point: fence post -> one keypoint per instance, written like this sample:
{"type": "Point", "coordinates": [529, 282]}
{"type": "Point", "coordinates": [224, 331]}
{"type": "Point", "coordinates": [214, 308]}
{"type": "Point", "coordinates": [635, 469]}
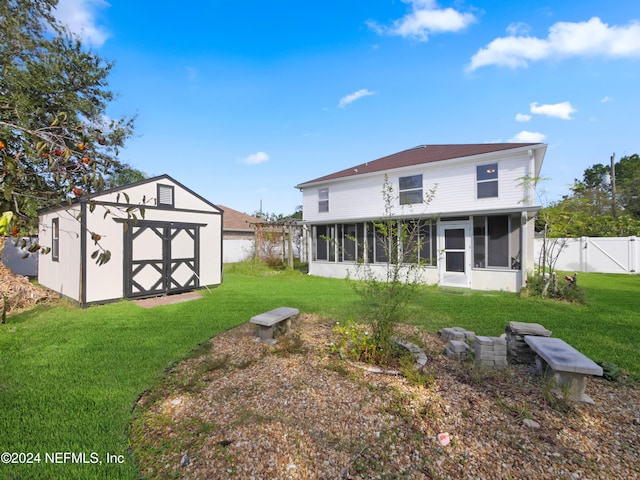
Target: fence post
{"type": "Point", "coordinates": [584, 255]}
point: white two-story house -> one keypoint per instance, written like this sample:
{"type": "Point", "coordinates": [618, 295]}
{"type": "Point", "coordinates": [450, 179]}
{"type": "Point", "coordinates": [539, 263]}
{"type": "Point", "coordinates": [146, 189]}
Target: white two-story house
{"type": "Point", "coordinates": [476, 230]}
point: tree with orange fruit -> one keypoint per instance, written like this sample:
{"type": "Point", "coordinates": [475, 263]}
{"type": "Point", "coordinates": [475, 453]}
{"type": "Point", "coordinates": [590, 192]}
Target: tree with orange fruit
{"type": "Point", "coordinates": [56, 141]}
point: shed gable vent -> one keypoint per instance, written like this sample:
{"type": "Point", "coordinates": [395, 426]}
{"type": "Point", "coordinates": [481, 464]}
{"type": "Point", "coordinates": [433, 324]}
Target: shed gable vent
{"type": "Point", "coordinates": [165, 195]}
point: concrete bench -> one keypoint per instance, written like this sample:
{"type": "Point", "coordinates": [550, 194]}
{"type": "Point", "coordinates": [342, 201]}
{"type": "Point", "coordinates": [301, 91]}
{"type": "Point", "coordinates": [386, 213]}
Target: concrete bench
{"type": "Point", "coordinates": [569, 366]}
{"type": "Point", "coordinates": [278, 319]}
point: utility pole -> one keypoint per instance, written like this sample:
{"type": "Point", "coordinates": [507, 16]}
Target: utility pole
{"type": "Point", "coordinates": [613, 186]}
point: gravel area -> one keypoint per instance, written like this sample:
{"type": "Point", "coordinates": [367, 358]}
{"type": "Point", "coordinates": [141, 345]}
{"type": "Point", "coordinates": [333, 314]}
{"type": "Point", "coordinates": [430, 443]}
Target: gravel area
{"type": "Point", "coordinates": [294, 410]}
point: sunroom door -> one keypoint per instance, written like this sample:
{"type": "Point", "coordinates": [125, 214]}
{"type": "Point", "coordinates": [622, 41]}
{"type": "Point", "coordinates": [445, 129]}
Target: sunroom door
{"type": "Point", "coordinates": [455, 258]}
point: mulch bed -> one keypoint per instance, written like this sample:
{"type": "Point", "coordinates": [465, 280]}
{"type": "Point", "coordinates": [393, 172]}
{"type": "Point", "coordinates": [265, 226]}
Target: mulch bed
{"type": "Point", "coordinates": [17, 292]}
{"type": "Point", "coordinates": [295, 410]}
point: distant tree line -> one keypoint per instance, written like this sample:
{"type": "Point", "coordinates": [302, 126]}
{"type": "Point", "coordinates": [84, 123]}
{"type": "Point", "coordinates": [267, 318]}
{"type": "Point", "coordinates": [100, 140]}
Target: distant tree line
{"type": "Point", "coordinates": [594, 208]}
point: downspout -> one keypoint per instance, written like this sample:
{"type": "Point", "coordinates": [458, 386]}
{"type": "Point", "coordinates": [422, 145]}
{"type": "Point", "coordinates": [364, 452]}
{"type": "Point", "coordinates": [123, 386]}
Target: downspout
{"type": "Point", "coordinates": [221, 247]}
{"type": "Point", "coordinates": [524, 220]}
{"type": "Point", "coordinates": [524, 260]}
{"type": "Point", "coordinates": [531, 184]}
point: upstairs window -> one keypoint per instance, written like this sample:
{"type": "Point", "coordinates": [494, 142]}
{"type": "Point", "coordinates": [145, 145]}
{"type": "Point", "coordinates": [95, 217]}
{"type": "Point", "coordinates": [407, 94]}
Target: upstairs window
{"type": "Point", "coordinates": [411, 190]}
{"type": "Point", "coordinates": [165, 195]}
{"type": "Point", "coordinates": [487, 177]}
{"type": "Point", "coordinates": [323, 200]}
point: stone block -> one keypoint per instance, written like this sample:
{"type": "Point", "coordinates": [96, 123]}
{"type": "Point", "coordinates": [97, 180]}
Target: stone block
{"type": "Point", "coordinates": [501, 362]}
{"type": "Point", "coordinates": [484, 355]}
{"type": "Point", "coordinates": [500, 341]}
{"type": "Point", "coordinates": [482, 340]}
{"type": "Point", "coordinates": [454, 355]}
{"type": "Point", "coordinates": [522, 328]}
{"type": "Point", "coordinates": [458, 346]}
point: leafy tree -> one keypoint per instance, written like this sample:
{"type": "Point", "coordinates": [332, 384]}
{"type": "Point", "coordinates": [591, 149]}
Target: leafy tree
{"type": "Point", "coordinates": [387, 294]}
{"type": "Point", "coordinates": [578, 216]}
{"type": "Point", "coordinates": [56, 141]}
{"type": "Point", "coordinates": [627, 179]}
{"type": "Point", "coordinates": [593, 177]}
{"type": "Point", "coordinates": [589, 211]}
{"type": "Point", "coordinates": [124, 175]}
{"type": "Point", "coordinates": [628, 184]}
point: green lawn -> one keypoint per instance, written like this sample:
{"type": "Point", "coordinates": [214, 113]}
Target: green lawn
{"type": "Point", "coordinates": [70, 377]}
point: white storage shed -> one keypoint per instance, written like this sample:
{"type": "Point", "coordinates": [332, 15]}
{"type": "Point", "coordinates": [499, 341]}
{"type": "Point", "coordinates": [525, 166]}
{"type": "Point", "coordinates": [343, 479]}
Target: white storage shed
{"type": "Point", "coordinates": [173, 245]}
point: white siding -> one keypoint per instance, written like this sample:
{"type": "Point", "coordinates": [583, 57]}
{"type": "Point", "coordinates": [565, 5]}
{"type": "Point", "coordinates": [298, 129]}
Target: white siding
{"type": "Point", "coordinates": [454, 183]}
{"type": "Point", "coordinates": [62, 276]}
{"type": "Point", "coordinates": [146, 194]}
{"type": "Point", "coordinates": [104, 282]}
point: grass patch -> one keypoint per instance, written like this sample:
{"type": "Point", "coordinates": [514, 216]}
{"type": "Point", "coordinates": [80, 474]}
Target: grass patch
{"type": "Point", "coordinates": [70, 377]}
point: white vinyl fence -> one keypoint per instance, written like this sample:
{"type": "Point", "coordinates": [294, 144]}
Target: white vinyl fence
{"type": "Point", "coordinates": [595, 254]}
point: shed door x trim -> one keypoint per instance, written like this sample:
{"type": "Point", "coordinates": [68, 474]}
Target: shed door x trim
{"type": "Point", "coordinates": [160, 257]}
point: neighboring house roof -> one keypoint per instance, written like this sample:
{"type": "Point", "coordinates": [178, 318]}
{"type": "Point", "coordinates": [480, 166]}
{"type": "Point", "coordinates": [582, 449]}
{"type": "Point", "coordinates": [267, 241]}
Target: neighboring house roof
{"type": "Point", "coordinates": [233, 220]}
{"type": "Point", "coordinates": [420, 155]}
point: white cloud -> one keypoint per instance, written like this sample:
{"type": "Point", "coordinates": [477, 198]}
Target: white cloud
{"type": "Point", "coordinates": [518, 28]}
{"type": "Point", "coordinates": [425, 19]}
{"type": "Point", "coordinates": [606, 99]}
{"type": "Point", "coordinates": [255, 158]}
{"type": "Point", "coordinates": [80, 17]}
{"type": "Point", "coordinates": [565, 39]}
{"type": "Point", "coordinates": [558, 110]}
{"type": "Point", "coordinates": [528, 137]}
{"type": "Point", "coordinates": [352, 97]}
{"type": "Point", "coordinates": [521, 117]}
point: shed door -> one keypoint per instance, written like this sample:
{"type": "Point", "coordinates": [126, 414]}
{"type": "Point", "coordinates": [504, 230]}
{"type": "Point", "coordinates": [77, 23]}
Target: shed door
{"type": "Point", "coordinates": [161, 258]}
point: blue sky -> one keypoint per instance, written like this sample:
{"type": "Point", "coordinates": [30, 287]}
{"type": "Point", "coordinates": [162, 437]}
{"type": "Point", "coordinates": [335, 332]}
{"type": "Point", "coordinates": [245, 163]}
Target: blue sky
{"type": "Point", "coordinates": [241, 101]}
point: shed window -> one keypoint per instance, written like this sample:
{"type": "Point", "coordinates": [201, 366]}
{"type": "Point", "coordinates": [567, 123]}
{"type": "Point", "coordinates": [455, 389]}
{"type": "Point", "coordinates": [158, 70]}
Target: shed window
{"type": "Point", "coordinates": [323, 200]}
{"type": "Point", "coordinates": [487, 177]}
{"type": "Point", "coordinates": [55, 239]}
{"type": "Point", "coordinates": [165, 195]}
{"type": "Point", "coordinates": [411, 190]}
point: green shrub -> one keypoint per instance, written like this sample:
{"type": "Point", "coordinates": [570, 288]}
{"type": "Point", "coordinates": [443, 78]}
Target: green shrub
{"type": "Point", "coordinates": [353, 342]}
{"type": "Point", "coordinates": [558, 289]}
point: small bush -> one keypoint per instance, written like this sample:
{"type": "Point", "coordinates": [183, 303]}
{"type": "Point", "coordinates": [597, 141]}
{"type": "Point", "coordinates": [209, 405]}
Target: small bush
{"type": "Point", "coordinates": [557, 289]}
{"type": "Point", "coordinates": [354, 342]}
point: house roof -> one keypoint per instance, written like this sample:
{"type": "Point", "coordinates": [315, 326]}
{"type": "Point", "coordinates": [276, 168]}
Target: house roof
{"type": "Point", "coordinates": [233, 220]}
{"type": "Point", "coordinates": [420, 155]}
